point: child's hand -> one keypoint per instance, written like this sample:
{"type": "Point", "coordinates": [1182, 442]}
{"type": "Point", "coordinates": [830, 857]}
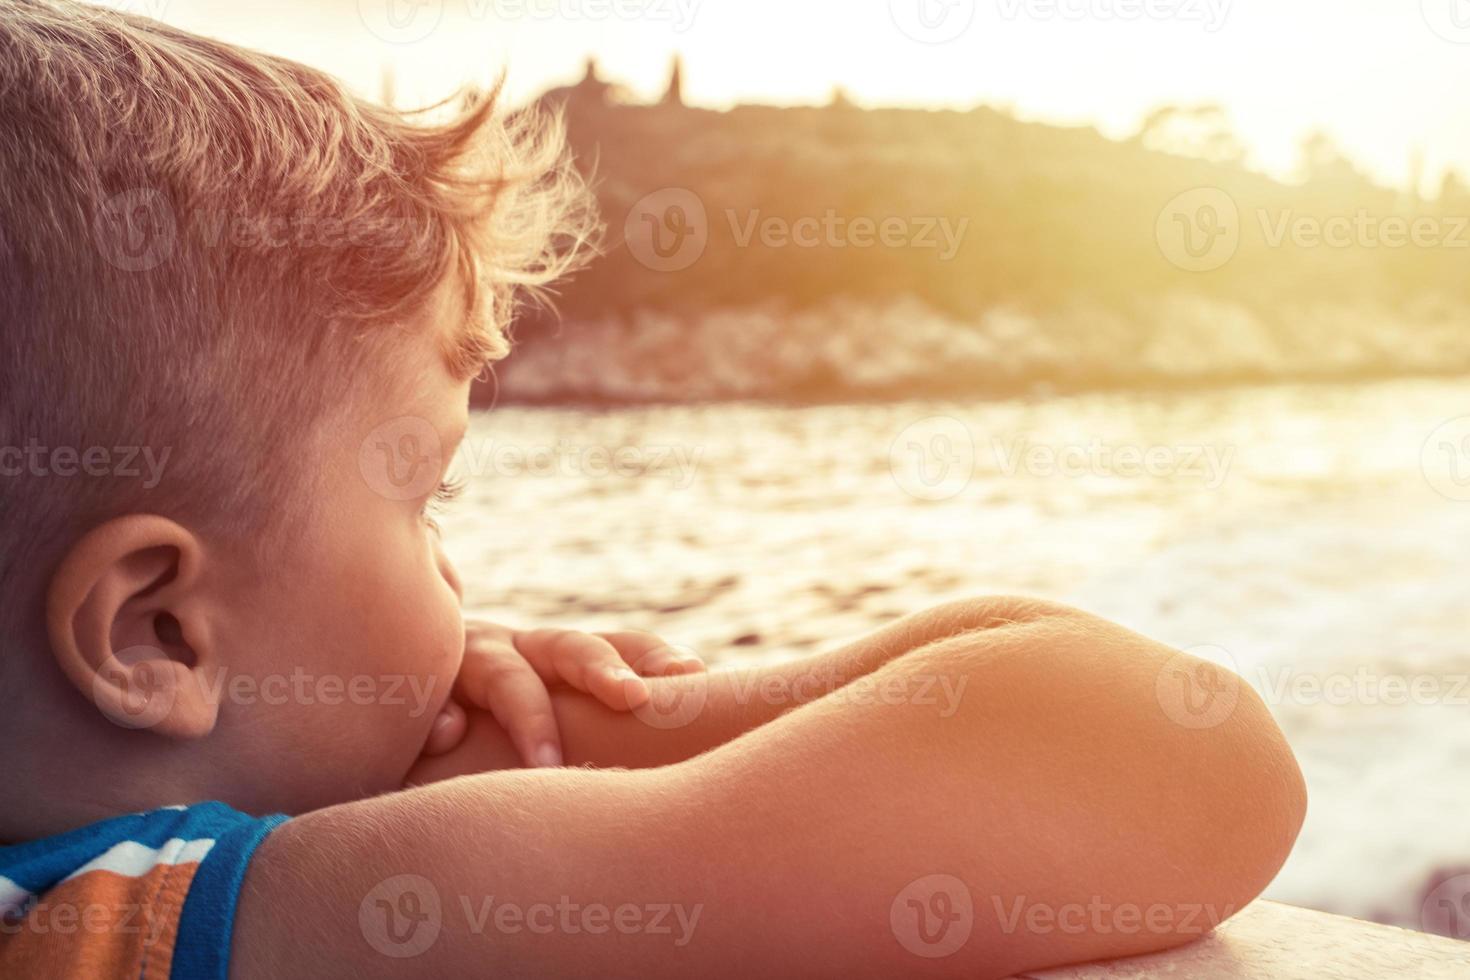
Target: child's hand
{"type": "Point", "coordinates": [508, 672]}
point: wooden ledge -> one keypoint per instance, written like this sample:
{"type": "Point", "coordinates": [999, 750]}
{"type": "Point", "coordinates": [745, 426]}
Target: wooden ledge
{"type": "Point", "coordinates": [1267, 941]}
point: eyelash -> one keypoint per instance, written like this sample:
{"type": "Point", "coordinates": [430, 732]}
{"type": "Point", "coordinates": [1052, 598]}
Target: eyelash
{"type": "Point", "coordinates": [447, 492]}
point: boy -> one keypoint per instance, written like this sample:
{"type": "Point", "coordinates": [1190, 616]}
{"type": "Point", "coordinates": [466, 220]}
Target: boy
{"type": "Point", "coordinates": [222, 263]}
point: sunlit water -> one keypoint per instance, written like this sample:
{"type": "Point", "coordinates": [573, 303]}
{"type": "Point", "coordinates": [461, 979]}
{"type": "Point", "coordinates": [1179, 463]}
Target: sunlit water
{"type": "Point", "coordinates": [1304, 534]}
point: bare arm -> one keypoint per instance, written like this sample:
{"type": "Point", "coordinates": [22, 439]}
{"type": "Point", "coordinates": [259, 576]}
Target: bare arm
{"type": "Point", "coordinates": [1070, 817]}
{"type": "Point", "coordinates": [691, 715]}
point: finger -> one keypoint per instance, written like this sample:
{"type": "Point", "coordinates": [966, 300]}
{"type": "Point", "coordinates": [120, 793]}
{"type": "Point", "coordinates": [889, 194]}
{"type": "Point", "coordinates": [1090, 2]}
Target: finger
{"type": "Point", "coordinates": [588, 663]}
{"type": "Point", "coordinates": [652, 656]}
{"type": "Point", "coordinates": [477, 630]}
{"type": "Point", "coordinates": [447, 731]}
{"type": "Point", "coordinates": [484, 656]}
{"type": "Point", "coordinates": [500, 680]}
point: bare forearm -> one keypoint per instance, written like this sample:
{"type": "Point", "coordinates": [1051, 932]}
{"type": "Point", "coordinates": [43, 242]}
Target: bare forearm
{"type": "Point", "coordinates": [693, 714]}
{"type": "Point", "coordinates": [1056, 786]}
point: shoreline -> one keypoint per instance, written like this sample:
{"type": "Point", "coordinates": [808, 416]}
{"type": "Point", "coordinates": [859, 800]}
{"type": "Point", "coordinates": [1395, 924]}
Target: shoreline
{"type": "Point", "coordinates": [485, 396]}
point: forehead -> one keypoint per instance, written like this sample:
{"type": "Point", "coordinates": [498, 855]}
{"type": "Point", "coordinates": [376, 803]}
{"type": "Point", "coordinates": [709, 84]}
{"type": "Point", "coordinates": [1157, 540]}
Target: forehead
{"type": "Point", "coordinates": [462, 316]}
{"type": "Point", "coordinates": [426, 379]}
{"type": "Point", "coordinates": [414, 410]}
{"type": "Point", "coordinates": [421, 368]}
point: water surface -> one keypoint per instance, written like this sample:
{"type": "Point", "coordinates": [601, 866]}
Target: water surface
{"type": "Point", "coordinates": [1317, 538]}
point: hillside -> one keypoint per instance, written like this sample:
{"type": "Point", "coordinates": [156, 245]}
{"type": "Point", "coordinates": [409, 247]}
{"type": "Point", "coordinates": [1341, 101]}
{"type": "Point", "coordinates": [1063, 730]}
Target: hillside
{"type": "Point", "coordinates": [834, 252]}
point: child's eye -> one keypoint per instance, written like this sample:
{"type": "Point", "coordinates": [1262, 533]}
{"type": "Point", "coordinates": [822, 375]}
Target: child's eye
{"type": "Point", "coordinates": [446, 493]}
{"type": "Point", "coordinates": [448, 490]}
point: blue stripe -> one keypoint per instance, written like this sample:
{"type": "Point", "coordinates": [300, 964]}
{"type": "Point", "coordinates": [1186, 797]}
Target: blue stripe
{"type": "Point", "coordinates": [38, 865]}
{"type": "Point", "coordinates": [202, 951]}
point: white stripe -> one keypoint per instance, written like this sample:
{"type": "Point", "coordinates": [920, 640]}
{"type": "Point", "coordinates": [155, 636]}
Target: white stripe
{"type": "Point", "coordinates": [12, 896]}
{"type": "Point", "coordinates": [134, 860]}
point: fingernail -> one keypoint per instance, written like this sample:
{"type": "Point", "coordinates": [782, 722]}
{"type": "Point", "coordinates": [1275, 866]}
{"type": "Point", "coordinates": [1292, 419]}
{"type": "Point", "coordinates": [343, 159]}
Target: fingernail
{"type": "Point", "coordinates": [547, 756]}
{"type": "Point", "coordinates": [637, 692]}
{"type": "Point", "coordinates": [622, 674]}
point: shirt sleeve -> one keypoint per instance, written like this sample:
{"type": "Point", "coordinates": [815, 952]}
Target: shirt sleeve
{"type": "Point", "coordinates": [149, 895]}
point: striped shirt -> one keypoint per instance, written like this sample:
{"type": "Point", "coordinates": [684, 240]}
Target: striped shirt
{"type": "Point", "coordinates": [148, 895]}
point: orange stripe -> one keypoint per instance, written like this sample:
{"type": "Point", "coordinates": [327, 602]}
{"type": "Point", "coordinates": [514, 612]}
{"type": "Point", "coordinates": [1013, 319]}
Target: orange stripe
{"type": "Point", "coordinates": [100, 924]}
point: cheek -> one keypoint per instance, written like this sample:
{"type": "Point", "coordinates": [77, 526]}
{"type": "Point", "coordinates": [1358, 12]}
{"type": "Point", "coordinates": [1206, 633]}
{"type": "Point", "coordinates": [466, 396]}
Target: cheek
{"type": "Point", "coordinates": [415, 623]}
{"type": "Point", "coordinates": [401, 631]}
{"type": "Point", "coordinates": [444, 648]}
{"type": "Point", "coordinates": [417, 645]}
{"type": "Point", "coordinates": [430, 632]}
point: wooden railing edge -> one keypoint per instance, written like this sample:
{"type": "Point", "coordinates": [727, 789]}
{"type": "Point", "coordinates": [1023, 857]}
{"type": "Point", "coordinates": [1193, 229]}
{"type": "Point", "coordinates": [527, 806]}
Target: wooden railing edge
{"type": "Point", "coordinates": [1271, 940]}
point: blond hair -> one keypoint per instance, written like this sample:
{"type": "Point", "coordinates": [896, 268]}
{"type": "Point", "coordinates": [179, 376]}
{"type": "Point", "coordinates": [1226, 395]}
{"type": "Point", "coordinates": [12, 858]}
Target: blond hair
{"type": "Point", "coordinates": [203, 249]}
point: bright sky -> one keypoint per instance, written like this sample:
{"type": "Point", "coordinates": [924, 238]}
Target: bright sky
{"type": "Point", "coordinates": [1385, 78]}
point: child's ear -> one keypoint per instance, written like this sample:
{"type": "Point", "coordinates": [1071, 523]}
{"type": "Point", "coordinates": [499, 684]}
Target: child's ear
{"type": "Point", "coordinates": [130, 627]}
